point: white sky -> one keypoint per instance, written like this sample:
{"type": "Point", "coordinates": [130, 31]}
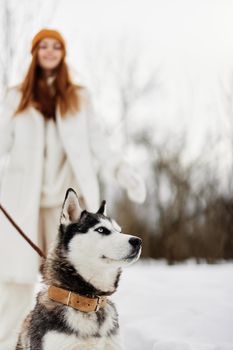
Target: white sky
{"type": "Point", "coordinates": [190, 30]}
{"type": "Point", "coordinates": [192, 40]}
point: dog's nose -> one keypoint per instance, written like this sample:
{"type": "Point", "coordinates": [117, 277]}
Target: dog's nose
{"type": "Point", "coordinates": [135, 242]}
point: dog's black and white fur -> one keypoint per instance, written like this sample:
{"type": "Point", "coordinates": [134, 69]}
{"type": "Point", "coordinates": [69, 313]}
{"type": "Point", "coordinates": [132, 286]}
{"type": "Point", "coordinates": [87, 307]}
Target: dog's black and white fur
{"type": "Point", "coordinates": [86, 259]}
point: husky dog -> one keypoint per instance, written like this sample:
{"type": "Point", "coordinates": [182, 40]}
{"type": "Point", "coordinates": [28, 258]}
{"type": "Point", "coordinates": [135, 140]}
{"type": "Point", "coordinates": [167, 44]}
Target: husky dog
{"type": "Point", "coordinates": [82, 269]}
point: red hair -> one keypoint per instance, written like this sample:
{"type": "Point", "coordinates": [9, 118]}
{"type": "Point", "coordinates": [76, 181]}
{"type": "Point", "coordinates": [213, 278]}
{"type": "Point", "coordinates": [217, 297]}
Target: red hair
{"type": "Point", "coordinates": [36, 91]}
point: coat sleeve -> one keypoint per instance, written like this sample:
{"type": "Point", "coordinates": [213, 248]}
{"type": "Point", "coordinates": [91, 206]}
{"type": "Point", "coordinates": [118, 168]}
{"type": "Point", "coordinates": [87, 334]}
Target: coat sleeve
{"type": "Point", "coordinates": [110, 162]}
{"type": "Point", "coordinates": [6, 123]}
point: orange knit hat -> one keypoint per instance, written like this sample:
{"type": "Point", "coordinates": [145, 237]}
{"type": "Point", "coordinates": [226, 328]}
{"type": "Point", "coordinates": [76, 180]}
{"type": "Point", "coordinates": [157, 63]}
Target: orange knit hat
{"type": "Point", "coordinates": [47, 33]}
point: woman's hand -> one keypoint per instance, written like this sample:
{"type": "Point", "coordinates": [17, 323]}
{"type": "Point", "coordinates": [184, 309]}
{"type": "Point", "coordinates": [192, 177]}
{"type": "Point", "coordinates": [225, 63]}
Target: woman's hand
{"type": "Point", "coordinates": [128, 178]}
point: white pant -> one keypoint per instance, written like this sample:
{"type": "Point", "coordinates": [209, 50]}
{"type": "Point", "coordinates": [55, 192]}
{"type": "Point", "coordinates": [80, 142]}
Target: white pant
{"type": "Point", "coordinates": [16, 300]}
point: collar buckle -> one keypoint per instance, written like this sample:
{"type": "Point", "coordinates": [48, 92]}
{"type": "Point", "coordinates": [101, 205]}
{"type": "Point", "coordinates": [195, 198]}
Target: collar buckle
{"type": "Point", "coordinates": [98, 302]}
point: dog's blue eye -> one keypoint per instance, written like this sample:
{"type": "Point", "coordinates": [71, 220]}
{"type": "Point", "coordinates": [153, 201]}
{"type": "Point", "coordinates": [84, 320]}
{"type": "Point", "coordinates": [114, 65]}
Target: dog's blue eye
{"type": "Point", "coordinates": [103, 230]}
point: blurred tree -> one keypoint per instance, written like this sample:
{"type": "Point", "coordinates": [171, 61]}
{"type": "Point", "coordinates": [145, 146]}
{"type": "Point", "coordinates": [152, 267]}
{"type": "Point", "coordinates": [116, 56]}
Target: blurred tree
{"type": "Point", "coordinates": [122, 81]}
{"type": "Point", "coordinates": [19, 20]}
{"type": "Point", "coordinates": [187, 213]}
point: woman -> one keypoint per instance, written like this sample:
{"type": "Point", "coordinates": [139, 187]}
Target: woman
{"type": "Point", "coordinates": [46, 130]}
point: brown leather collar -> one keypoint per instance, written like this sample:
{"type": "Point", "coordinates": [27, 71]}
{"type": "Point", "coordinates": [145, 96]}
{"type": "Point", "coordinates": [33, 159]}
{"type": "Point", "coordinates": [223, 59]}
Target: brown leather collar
{"type": "Point", "coordinates": [76, 301]}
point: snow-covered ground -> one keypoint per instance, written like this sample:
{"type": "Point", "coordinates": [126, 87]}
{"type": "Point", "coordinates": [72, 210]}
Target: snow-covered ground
{"type": "Point", "coordinates": [181, 307]}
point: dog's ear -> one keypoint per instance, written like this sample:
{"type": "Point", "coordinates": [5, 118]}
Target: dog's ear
{"type": "Point", "coordinates": [71, 209]}
{"type": "Point", "coordinates": [102, 209]}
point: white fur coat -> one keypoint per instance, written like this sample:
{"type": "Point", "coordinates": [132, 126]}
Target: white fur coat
{"type": "Point", "coordinates": [22, 138]}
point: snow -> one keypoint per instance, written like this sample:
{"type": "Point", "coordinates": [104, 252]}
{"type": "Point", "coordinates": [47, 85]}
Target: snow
{"type": "Point", "coordinates": [181, 307]}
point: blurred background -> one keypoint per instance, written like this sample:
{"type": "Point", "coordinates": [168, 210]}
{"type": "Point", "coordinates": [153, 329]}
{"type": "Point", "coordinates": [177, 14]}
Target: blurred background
{"type": "Point", "coordinates": [160, 73]}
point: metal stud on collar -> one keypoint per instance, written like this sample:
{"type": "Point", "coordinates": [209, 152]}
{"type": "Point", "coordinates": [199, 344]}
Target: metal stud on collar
{"type": "Point", "coordinates": [98, 304]}
{"type": "Point", "coordinates": [68, 299]}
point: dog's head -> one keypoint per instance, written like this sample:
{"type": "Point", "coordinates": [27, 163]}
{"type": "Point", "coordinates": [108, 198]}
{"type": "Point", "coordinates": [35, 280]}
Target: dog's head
{"type": "Point", "coordinates": [93, 239]}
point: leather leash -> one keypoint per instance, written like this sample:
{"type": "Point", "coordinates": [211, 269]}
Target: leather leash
{"type": "Point", "coordinates": [33, 245]}
{"type": "Point", "coordinates": [60, 295]}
